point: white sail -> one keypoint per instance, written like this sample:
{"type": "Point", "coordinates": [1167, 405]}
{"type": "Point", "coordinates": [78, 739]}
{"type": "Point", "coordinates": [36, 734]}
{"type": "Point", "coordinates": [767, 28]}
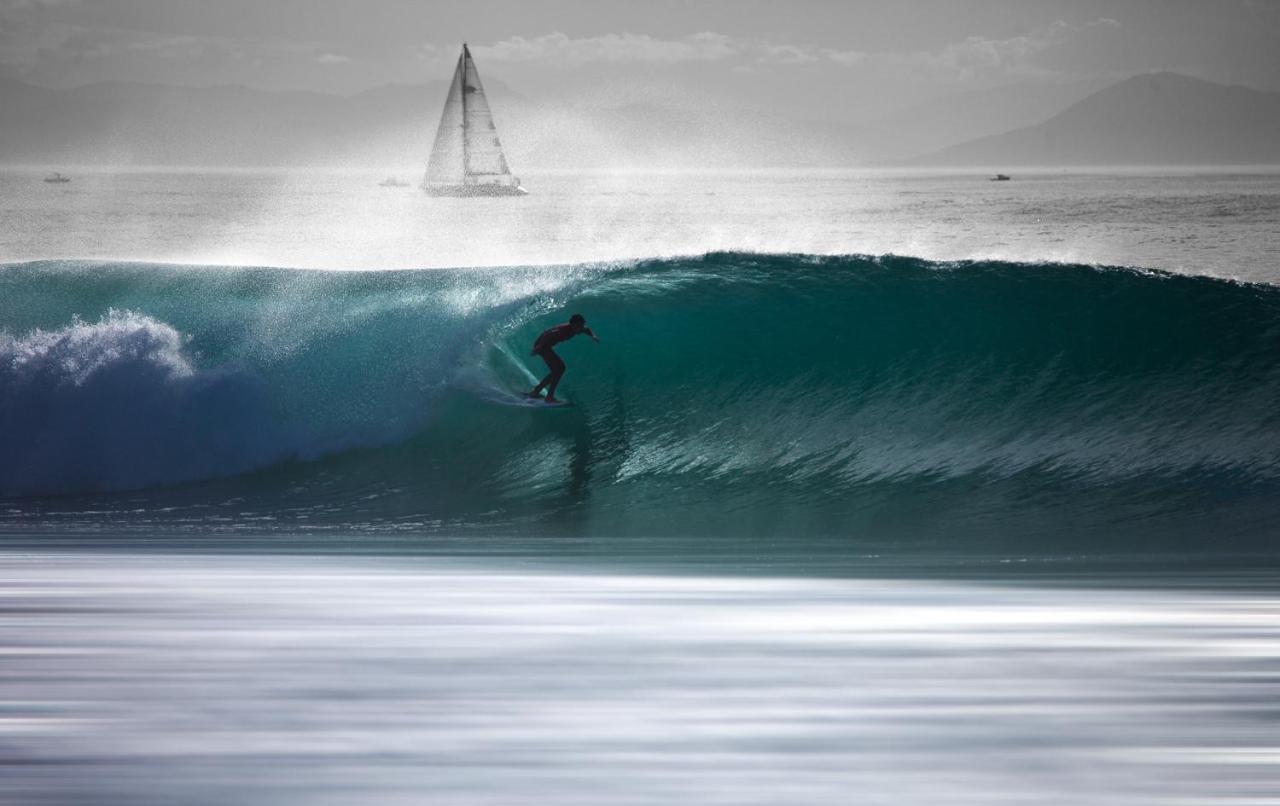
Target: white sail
{"type": "Point", "coordinates": [484, 160]}
{"type": "Point", "coordinates": [467, 157]}
{"type": "Point", "coordinates": [445, 167]}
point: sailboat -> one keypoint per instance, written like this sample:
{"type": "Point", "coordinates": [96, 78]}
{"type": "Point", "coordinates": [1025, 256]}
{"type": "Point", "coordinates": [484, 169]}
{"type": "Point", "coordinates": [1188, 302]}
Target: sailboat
{"type": "Point", "coordinates": [467, 158]}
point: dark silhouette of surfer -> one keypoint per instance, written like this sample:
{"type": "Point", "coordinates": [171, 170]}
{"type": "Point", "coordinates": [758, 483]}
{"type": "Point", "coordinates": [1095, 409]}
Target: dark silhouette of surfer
{"type": "Point", "coordinates": [542, 348]}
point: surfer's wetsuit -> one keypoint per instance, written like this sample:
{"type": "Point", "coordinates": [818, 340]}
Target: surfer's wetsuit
{"type": "Point", "coordinates": [542, 348]}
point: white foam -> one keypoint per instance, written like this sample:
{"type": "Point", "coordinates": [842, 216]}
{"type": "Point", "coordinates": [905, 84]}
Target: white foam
{"type": "Point", "coordinates": [119, 404]}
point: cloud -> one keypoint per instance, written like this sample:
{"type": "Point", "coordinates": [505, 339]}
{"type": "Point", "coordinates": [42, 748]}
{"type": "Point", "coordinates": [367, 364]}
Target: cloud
{"type": "Point", "coordinates": [969, 58]}
{"type": "Point", "coordinates": [561, 50]}
{"type": "Point", "coordinates": [23, 5]}
{"type": "Point", "coordinates": [62, 52]}
{"type": "Point", "coordinates": [845, 57]}
{"type": "Point", "coordinates": [786, 54]}
{"type": "Point", "coordinates": [37, 47]}
{"type": "Point", "coordinates": [976, 55]}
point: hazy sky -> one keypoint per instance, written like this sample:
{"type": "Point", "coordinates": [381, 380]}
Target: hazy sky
{"type": "Point", "coordinates": [852, 52]}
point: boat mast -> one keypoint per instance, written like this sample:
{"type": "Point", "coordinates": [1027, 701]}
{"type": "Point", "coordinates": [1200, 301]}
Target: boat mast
{"type": "Point", "coordinates": [466, 151]}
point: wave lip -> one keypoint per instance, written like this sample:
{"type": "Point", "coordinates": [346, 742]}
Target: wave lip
{"type": "Point", "coordinates": [118, 404]}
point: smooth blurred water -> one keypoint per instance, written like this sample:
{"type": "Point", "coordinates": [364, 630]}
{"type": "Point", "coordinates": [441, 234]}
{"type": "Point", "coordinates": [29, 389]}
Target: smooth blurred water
{"type": "Point", "coordinates": [1200, 222]}
{"type": "Point", "coordinates": [132, 679]}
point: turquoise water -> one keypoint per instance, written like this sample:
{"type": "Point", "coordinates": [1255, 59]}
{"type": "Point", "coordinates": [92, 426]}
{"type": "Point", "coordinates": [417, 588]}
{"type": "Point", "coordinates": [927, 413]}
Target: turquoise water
{"type": "Point", "coordinates": [828, 404]}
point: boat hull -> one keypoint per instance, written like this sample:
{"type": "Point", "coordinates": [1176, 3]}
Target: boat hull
{"type": "Point", "coordinates": [474, 190]}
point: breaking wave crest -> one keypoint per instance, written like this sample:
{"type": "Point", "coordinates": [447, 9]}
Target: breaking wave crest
{"type": "Point", "coordinates": [119, 404]}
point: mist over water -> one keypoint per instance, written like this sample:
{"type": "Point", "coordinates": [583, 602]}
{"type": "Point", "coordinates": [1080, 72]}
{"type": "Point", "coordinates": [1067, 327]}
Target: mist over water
{"type": "Point", "coordinates": [1196, 222]}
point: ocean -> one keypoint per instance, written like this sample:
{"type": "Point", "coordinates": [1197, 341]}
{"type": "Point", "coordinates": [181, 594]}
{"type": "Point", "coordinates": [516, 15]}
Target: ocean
{"type": "Point", "coordinates": [895, 487]}
{"type": "Point", "coordinates": [1195, 221]}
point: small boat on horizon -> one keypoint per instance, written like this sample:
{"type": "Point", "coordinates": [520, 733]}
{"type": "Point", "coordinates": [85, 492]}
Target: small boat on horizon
{"type": "Point", "coordinates": [467, 158]}
{"type": "Point", "coordinates": [1000, 178]}
{"type": "Point", "coordinates": [392, 182]}
{"type": "Point", "coordinates": [57, 178]}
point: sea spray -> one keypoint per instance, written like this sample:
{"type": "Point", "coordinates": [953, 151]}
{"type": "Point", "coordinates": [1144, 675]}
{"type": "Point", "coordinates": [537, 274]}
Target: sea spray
{"type": "Point", "coordinates": [118, 404]}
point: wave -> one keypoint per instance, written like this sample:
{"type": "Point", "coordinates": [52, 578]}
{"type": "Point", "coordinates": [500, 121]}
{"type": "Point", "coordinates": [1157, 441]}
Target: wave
{"type": "Point", "coordinates": [118, 404]}
{"type": "Point", "coordinates": [731, 394]}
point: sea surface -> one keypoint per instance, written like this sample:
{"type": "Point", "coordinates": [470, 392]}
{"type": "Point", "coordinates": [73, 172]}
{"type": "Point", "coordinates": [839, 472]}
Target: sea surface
{"type": "Point", "coordinates": [886, 488]}
{"type": "Point", "coordinates": [1219, 222]}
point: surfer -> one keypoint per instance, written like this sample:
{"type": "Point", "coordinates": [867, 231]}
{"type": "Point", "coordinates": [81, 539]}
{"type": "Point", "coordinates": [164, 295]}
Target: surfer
{"type": "Point", "coordinates": [542, 348]}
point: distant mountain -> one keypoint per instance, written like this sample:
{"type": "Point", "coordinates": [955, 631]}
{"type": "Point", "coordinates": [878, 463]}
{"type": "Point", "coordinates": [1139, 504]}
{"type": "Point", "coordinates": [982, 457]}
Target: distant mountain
{"type": "Point", "coordinates": [1155, 119]}
{"type": "Point", "coordinates": [952, 119]}
{"type": "Point", "coordinates": [148, 124]}
{"type": "Point", "coordinates": [648, 135]}
{"type": "Point", "coordinates": [385, 129]}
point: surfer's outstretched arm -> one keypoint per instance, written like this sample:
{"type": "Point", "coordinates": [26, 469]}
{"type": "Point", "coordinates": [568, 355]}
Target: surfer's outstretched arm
{"type": "Point", "coordinates": [593, 336]}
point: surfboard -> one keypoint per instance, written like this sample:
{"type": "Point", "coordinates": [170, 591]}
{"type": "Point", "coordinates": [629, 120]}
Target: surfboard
{"type": "Point", "coordinates": [541, 403]}
{"type": "Point", "coordinates": [521, 398]}
{"type": "Point", "coordinates": [524, 401]}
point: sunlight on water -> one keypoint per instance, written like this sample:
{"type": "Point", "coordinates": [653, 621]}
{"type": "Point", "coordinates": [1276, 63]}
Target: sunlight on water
{"type": "Point", "coordinates": [312, 681]}
{"type": "Point", "coordinates": [1195, 222]}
